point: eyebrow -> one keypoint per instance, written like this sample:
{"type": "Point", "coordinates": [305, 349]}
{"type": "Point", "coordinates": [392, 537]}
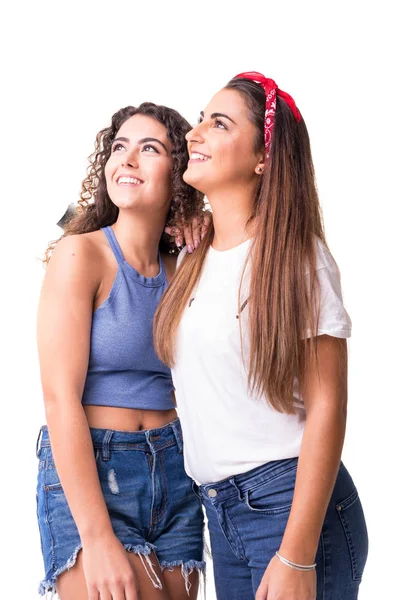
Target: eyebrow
{"type": "Point", "coordinates": [215, 115]}
{"type": "Point", "coordinates": [142, 141]}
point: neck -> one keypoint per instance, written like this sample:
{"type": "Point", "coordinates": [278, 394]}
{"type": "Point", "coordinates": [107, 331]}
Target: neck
{"type": "Point", "coordinates": [231, 210]}
{"type": "Point", "coordinates": [139, 236]}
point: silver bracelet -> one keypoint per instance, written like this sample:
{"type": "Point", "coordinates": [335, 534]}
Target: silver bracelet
{"type": "Point", "coordinates": [293, 565]}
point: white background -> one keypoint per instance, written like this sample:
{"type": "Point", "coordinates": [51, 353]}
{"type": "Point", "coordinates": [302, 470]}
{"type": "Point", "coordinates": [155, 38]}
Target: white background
{"type": "Point", "coordinates": [67, 69]}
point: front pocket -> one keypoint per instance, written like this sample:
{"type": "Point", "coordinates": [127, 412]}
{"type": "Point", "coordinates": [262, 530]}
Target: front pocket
{"type": "Point", "coordinates": [53, 487]}
{"type": "Point", "coordinates": [355, 529]}
{"type": "Point", "coordinates": [273, 496]}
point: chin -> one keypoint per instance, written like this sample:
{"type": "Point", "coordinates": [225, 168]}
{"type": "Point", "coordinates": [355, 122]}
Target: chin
{"type": "Point", "coordinates": [125, 204]}
{"type": "Point", "coordinates": [190, 178]}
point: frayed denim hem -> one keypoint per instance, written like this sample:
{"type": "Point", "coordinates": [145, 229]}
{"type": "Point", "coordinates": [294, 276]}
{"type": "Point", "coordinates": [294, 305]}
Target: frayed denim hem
{"type": "Point", "coordinates": [48, 586]}
{"type": "Point", "coordinates": [187, 569]}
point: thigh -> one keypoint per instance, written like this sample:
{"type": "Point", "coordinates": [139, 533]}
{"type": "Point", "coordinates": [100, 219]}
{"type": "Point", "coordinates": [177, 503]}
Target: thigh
{"type": "Point", "coordinates": [232, 575]}
{"type": "Point", "coordinates": [178, 588]}
{"type": "Point", "coordinates": [71, 585]}
{"type": "Point", "coordinates": [149, 577]}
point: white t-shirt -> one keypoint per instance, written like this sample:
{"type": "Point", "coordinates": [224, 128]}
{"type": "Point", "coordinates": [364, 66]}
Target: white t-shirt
{"type": "Point", "coordinates": [226, 430]}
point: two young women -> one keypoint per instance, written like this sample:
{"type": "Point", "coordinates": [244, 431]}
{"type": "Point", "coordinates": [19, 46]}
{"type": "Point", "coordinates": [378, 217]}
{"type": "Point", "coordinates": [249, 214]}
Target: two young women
{"type": "Point", "coordinates": [254, 329]}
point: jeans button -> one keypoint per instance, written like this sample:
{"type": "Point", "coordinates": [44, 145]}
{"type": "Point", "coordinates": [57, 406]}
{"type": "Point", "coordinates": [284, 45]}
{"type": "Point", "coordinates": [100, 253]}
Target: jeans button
{"type": "Point", "coordinates": [212, 493]}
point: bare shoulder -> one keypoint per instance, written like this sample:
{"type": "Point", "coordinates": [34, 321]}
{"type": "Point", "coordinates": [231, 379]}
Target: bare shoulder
{"type": "Point", "coordinates": [84, 247]}
{"type": "Point", "coordinates": [169, 261]}
{"type": "Point", "coordinates": [79, 257]}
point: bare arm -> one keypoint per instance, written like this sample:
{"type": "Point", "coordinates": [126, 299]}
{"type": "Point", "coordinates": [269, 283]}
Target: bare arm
{"type": "Point", "coordinates": [64, 322]}
{"type": "Point", "coordinates": [325, 398]}
{"type": "Point", "coordinates": [63, 333]}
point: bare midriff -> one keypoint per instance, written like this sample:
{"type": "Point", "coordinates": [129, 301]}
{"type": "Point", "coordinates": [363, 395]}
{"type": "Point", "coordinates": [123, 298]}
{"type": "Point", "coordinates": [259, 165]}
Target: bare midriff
{"type": "Point", "coordinates": [127, 419]}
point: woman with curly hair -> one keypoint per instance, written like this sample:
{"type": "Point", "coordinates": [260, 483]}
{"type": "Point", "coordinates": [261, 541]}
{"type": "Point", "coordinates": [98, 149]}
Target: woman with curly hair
{"type": "Point", "coordinates": [117, 514]}
{"type": "Point", "coordinates": [255, 329]}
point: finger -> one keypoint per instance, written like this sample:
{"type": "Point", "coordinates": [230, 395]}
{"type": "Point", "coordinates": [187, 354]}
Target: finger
{"type": "Point", "coordinates": [187, 232]}
{"type": "Point", "coordinates": [117, 593]}
{"type": "Point", "coordinates": [262, 592]}
{"type": "Point", "coordinates": [131, 592]}
{"type": "Point", "coordinates": [104, 593]}
{"type": "Point", "coordinates": [174, 231]}
{"type": "Point", "coordinates": [196, 232]}
{"type": "Point", "coordinates": [93, 592]}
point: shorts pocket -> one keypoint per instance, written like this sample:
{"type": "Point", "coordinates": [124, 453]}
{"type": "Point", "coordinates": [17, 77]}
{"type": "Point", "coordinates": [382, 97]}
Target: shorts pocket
{"type": "Point", "coordinates": [53, 487]}
{"type": "Point", "coordinates": [273, 496]}
{"type": "Point", "coordinates": [51, 479]}
{"type": "Point", "coordinates": [355, 529]}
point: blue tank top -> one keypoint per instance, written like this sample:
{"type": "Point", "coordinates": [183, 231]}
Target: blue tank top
{"type": "Point", "coordinates": [124, 369]}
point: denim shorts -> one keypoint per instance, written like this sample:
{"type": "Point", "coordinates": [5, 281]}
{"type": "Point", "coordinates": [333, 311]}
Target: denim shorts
{"type": "Point", "coordinates": [150, 499]}
{"type": "Point", "coordinates": [247, 516]}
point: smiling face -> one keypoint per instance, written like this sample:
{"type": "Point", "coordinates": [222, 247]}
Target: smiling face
{"type": "Point", "coordinates": [138, 171]}
{"type": "Point", "coordinates": [221, 146]}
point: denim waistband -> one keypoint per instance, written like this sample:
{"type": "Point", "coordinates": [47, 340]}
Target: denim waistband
{"type": "Point", "coordinates": [148, 440]}
{"type": "Point", "coordinates": [239, 484]}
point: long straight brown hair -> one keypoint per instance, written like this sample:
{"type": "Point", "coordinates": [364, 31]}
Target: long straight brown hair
{"type": "Point", "coordinates": [284, 292]}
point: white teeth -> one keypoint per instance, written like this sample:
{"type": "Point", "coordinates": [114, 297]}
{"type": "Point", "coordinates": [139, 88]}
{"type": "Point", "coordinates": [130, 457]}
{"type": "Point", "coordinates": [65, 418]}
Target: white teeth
{"type": "Point", "coordinates": [198, 156]}
{"type": "Point", "coordinates": [129, 180]}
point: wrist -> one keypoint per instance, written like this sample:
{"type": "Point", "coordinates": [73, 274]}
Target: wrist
{"type": "Point", "coordinates": [93, 533]}
{"type": "Point", "coordinates": [297, 566]}
{"type": "Point", "coordinates": [298, 554]}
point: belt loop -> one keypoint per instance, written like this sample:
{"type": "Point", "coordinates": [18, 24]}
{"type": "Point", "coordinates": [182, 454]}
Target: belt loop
{"type": "Point", "coordinates": [176, 428]}
{"type": "Point", "coordinates": [105, 449]}
{"type": "Point", "coordinates": [239, 491]}
{"type": "Point", "coordinates": [38, 442]}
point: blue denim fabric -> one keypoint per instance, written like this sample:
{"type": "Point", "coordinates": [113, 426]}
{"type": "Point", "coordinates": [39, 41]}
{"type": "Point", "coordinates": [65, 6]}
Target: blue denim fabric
{"type": "Point", "coordinates": [247, 516]}
{"type": "Point", "coordinates": [150, 499]}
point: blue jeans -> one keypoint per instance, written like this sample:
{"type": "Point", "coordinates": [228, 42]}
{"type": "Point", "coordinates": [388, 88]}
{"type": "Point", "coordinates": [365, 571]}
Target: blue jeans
{"type": "Point", "coordinates": [148, 495]}
{"type": "Point", "coordinates": [247, 516]}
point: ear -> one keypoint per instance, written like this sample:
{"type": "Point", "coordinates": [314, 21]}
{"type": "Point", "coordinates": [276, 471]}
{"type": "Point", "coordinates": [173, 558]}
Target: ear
{"type": "Point", "coordinates": [259, 169]}
{"type": "Point", "coordinates": [261, 158]}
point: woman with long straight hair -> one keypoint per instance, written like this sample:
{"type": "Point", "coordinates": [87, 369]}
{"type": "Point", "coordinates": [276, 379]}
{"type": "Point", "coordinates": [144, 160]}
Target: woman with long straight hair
{"type": "Point", "coordinates": [254, 329]}
{"type": "Point", "coordinates": [117, 514]}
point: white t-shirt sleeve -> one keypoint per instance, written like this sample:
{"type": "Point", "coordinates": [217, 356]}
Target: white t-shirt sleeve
{"type": "Point", "coordinates": [181, 256]}
{"type": "Point", "coordinates": [333, 318]}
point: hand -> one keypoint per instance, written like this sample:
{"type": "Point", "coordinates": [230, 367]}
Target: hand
{"type": "Point", "coordinates": [281, 582]}
{"type": "Point", "coordinates": [192, 234]}
{"type": "Point", "coordinates": [108, 571]}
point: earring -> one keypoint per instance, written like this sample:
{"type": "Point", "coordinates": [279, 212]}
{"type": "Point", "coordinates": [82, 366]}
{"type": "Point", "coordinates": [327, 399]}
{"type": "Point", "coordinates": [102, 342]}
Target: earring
{"type": "Point", "coordinates": [259, 169]}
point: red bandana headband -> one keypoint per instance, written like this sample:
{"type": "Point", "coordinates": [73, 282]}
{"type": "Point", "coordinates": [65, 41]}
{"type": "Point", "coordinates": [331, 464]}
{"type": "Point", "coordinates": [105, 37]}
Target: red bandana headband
{"type": "Point", "coordinates": [271, 91]}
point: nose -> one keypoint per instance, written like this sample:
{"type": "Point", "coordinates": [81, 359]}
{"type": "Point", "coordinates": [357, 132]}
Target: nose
{"type": "Point", "coordinates": [195, 134]}
{"type": "Point", "coordinates": [130, 159]}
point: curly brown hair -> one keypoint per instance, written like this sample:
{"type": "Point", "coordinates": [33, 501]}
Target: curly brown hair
{"type": "Point", "coordinates": [95, 208]}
